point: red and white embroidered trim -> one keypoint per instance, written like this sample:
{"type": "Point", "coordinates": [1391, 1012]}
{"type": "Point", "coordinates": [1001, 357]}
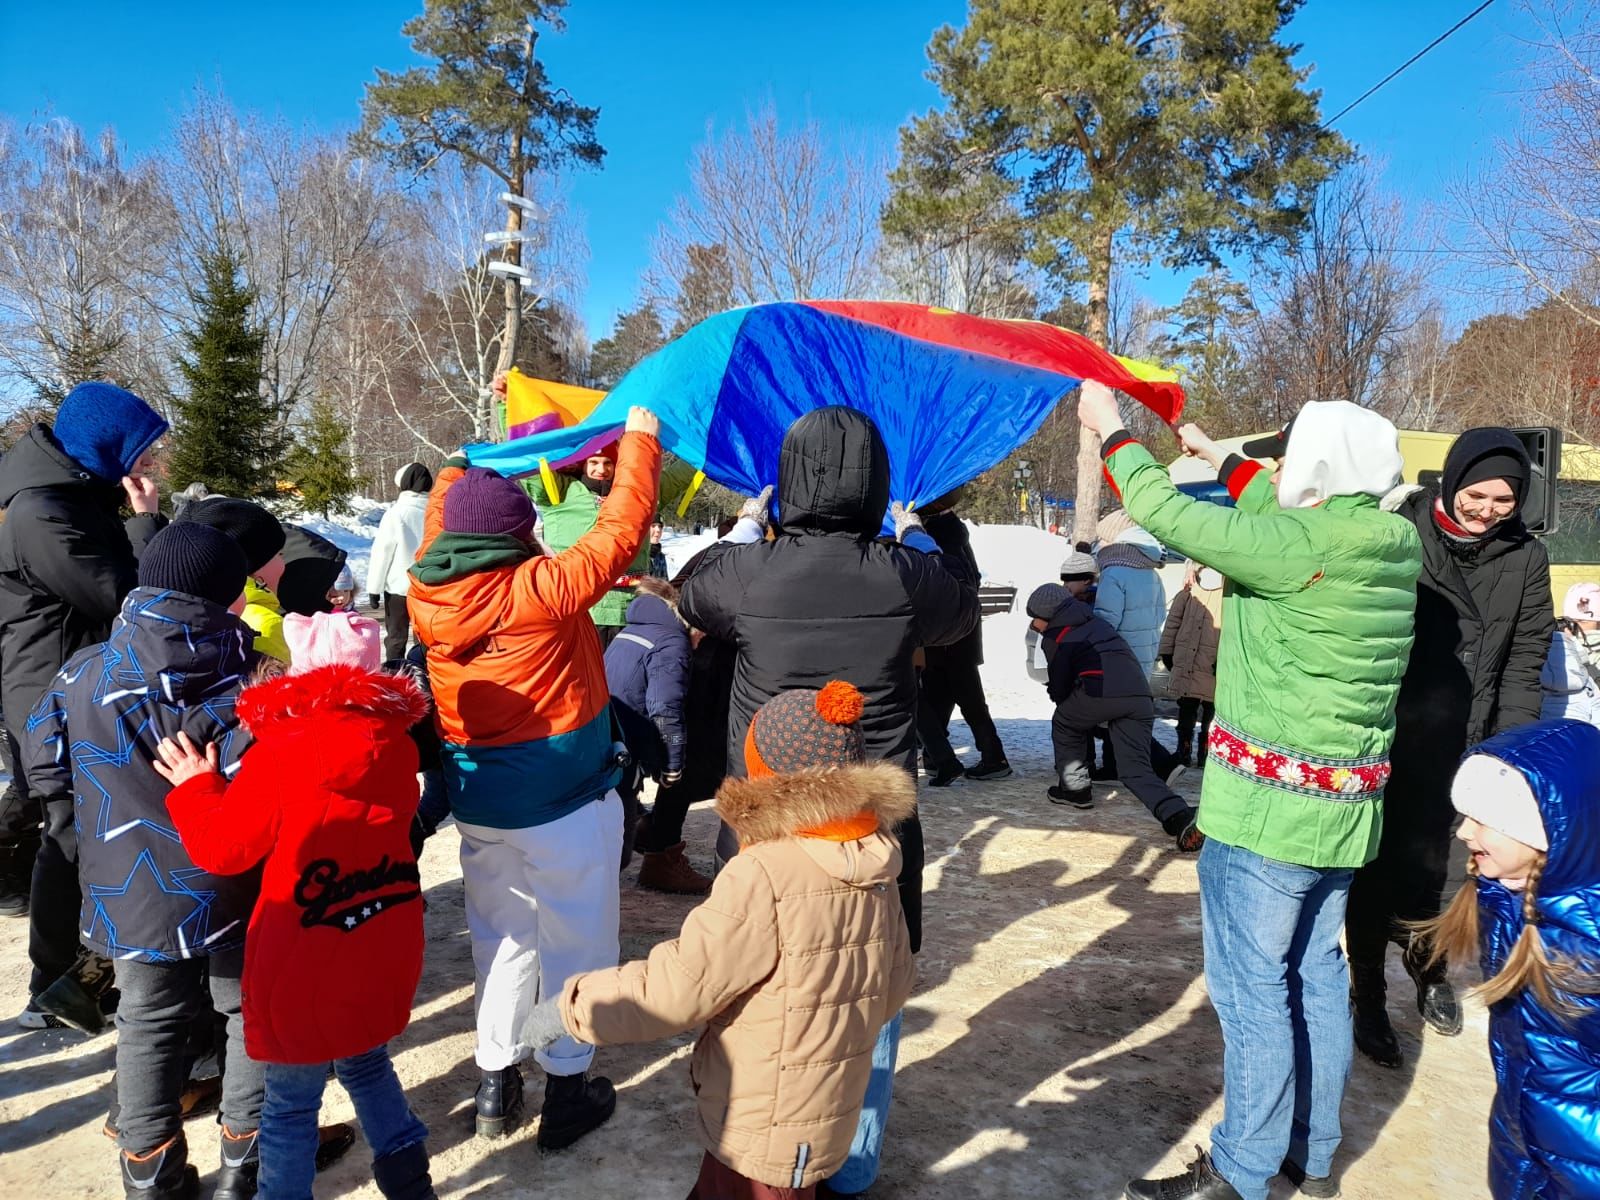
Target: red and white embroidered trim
{"type": "Point", "coordinates": [1278, 766]}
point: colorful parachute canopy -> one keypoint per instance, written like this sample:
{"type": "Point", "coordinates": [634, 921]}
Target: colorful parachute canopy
{"type": "Point", "coordinates": [953, 394]}
{"type": "Point", "coordinates": [539, 405]}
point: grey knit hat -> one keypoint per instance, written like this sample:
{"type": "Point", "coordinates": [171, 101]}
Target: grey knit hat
{"type": "Point", "coordinates": [1079, 565]}
{"type": "Point", "coordinates": [1047, 599]}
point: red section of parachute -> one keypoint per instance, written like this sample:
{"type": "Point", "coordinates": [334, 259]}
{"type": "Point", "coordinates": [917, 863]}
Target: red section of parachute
{"type": "Point", "coordinates": [1033, 343]}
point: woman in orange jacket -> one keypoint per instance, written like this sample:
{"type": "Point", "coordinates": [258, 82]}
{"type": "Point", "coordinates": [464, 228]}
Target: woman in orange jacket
{"type": "Point", "coordinates": [530, 760]}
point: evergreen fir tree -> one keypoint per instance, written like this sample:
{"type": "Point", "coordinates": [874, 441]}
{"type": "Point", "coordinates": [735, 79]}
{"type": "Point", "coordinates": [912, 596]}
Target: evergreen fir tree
{"type": "Point", "coordinates": [321, 465]}
{"type": "Point", "coordinates": [227, 434]}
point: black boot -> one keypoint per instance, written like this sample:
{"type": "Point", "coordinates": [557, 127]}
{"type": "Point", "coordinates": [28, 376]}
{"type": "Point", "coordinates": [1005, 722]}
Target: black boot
{"type": "Point", "coordinates": [1077, 797]}
{"type": "Point", "coordinates": [241, 1163]}
{"type": "Point", "coordinates": [1323, 1187]}
{"type": "Point", "coordinates": [1199, 1182]}
{"type": "Point", "coordinates": [16, 872]}
{"type": "Point", "coordinates": [1375, 1037]}
{"type": "Point", "coordinates": [946, 773]}
{"type": "Point", "coordinates": [403, 1175]}
{"type": "Point", "coordinates": [75, 997]}
{"type": "Point", "coordinates": [499, 1102]}
{"type": "Point", "coordinates": [1185, 752]}
{"type": "Point", "coordinates": [1436, 998]}
{"type": "Point", "coordinates": [1182, 826]}
{"type": "Point", "coordinates": [573, 1105]}
{"type": "Point", "coordinates": [162, 1174]}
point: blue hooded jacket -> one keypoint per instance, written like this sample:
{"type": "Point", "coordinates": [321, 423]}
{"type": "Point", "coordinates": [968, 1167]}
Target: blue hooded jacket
{"type": "Point", "coordinates": [174, 662]}
{"type": "Point", "coordinates": [647, 670]}
{"type": "Point", "coordinates": [1542, 1143]}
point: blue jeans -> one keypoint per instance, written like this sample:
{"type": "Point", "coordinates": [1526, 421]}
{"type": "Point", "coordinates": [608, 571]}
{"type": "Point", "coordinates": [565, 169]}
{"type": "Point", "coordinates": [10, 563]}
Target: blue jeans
{"type": "Point", "coordinates": [860, 1169]}
{"type": "Point", "coordinates": [1278, 981]}
{"type": "Point", "coordinates": [288, 1138]}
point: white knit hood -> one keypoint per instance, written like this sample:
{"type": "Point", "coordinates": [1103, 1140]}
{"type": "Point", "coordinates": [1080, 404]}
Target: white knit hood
{"type": "Point", "coordinates": [1338, 449]}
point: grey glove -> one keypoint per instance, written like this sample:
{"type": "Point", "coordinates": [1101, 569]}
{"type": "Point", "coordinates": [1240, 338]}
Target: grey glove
{"type": "Point", "coordinates": [904, 521]}
{"type": "Point", "coordinates": [757, 508]}
{"type": "Point", "coordinates": [544, 1024]}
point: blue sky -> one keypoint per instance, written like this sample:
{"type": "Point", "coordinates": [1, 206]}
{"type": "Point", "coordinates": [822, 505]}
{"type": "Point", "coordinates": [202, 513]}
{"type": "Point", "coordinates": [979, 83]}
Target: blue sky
{"type": "Point", "coordinates": [660, 71]}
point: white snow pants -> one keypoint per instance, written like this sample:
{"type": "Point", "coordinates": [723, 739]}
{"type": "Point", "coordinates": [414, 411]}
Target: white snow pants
{"type": "Point", "coordinates": [541, 907]}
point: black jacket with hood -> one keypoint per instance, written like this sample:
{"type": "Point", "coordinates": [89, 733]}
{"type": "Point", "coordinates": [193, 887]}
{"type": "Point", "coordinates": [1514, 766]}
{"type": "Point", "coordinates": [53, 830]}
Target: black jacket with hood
{"type": "Point", "coordinates": [173, 663]}
{"type": "Point", "coordinates": [67, 560]}
{"type": "Point", "coordinates": [1483, 624]}
{"type": "Point", "coordinates": [950, 532]}
{"type": "Point", "coordinates": [827, 599]}
{"type": "Point", "coordinates": [1086, 655]}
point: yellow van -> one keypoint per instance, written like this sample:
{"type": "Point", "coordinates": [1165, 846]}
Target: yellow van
{"type": "Point", "coordinates": [1574, 544]}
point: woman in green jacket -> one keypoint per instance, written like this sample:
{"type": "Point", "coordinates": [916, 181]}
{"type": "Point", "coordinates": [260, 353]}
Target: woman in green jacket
{"type": "Point", "coordinates": [1317, 626]}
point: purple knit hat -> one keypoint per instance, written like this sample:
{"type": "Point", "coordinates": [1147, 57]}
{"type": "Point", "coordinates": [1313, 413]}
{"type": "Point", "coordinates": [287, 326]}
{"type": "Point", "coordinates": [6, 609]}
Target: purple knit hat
{"type": "Point", "coordinates": [485, 501]}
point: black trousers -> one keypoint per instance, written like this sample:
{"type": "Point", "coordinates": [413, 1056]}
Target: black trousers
{"type": "Point", "coordinates": [1129, 721]}
{"type": "Point", "coordinates": [942, 690]}
{"type": "Point", "coordinates": [54, 899]}
{"type": "Point", "coordinates": [1406, 881]}
{"type": "Point", "coordinates": [1190, 708]}
{"type": "Point", "coordinates": [396, 627]}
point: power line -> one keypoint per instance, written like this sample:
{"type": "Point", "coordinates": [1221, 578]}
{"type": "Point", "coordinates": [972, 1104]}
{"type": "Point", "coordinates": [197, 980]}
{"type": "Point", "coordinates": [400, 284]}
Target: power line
{"type": "Point", "coordinates": [1407, 63]}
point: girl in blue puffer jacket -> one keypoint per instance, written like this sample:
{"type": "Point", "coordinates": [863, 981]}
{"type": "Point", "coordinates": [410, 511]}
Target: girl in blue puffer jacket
{"type": "Point", "coordinates": [1531, 799]}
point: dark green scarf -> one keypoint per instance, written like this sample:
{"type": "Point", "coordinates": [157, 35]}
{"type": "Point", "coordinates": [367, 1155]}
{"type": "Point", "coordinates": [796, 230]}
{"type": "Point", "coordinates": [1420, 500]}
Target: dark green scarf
{"type": "Point", "coordinates": [454, 555]}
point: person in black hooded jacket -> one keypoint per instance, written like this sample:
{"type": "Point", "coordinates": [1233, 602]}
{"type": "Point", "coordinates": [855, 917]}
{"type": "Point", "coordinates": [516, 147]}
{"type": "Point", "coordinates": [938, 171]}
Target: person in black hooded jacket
{"type": "Point", "coordinates": [1483, 627]}
{"type": "Point", "coordinates": [67, 559]}
{"type": "Point", "coordinates": [827, 599]}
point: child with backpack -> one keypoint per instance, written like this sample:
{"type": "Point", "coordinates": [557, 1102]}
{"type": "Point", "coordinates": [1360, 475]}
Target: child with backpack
{"type": "Point", "coordinates": [173, 665]}
{"type": "Point", "coordinates": [1094, 679]}
{"type": "Point", "coordinates": [1530, 799]}
{"type": "Point", "coordinates": [325, 801]}
{"type": "Point", "coordinates": [793, 965]}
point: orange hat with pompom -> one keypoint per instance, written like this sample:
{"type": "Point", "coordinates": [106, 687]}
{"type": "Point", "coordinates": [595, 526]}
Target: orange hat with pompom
{"type": "Point", "coordinates": [806, 730]}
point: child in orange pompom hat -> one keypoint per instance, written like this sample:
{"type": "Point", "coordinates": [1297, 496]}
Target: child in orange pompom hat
{"type": "Point", "coordinates": [801, 943]}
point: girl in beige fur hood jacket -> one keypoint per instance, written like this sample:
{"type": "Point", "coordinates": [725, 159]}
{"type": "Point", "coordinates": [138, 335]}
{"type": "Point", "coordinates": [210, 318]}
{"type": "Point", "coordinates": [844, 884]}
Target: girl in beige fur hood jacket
{"type": "Point", "coordinates": [793, 964]}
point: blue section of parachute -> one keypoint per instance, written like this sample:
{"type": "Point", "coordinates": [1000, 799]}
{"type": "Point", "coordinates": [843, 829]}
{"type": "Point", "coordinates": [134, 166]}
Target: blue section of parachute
{"type": "Point", "coordinates": [728, 389]}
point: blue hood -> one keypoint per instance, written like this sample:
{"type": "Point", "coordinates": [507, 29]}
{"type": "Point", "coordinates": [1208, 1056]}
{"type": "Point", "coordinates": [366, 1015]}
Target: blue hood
{"type": "Point", "coordinates": [1561, 761]}
{"type": "Point", "coordinates": [652, 610]}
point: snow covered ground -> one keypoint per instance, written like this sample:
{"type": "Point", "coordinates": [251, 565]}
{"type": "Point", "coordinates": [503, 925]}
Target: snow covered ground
{"type": "Point", "coordinates": [352, 533]}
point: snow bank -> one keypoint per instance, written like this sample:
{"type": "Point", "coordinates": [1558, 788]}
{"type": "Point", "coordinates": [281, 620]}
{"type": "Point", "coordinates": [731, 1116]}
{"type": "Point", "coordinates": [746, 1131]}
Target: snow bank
{"type": "Point", "coordinates": [1018, 555]}
{"type": "Point", "coordinates": [353, 533]}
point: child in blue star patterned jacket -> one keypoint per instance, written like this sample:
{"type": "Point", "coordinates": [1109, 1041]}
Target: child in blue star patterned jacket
{"type": "Point", "coordinates": [175, 661]}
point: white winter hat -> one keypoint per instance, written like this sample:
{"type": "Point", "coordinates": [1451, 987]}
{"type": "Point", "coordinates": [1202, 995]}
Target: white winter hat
{"type": "Point", "coordinates": [1496, 794]}
{"type": "Point", "coordinates": [1079, 563]}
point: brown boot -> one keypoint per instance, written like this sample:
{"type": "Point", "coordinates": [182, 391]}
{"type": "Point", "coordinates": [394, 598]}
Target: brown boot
{"type": "Point", "coordinates": [669, 871]}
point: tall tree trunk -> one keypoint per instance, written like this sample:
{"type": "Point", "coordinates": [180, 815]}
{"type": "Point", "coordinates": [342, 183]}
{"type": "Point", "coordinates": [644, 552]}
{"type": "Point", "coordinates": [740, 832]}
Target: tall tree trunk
{"type": "Point", "coordinates": [512, 328]}
{"type": "Point", "coordinates": [1086, 514]}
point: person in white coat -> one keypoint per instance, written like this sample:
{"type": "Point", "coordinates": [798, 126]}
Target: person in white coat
{"type": "Point", "coordinates": [1571, 679]}
{"type": "Point", "coordinates": [393, 552]}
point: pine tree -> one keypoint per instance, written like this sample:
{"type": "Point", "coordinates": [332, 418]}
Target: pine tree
{"type": "Point", "coordinates": [321, 465]}
{"type": "Point", "coordinates": [227, 433]}
{"type": "Point", "coordinates": [636, 335]}
{"type": "Point", "coordinates": [1123, 132]}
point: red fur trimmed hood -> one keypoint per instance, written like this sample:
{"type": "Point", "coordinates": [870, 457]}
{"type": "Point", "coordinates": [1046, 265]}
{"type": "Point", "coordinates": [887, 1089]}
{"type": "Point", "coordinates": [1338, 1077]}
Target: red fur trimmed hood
{"type": "Point", "coordinates": [328, 691]}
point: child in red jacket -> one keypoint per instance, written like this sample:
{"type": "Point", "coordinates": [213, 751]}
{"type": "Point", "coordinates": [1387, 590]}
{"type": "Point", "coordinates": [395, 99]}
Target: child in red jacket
{"type": "Point", "coordinates": [334, 948]}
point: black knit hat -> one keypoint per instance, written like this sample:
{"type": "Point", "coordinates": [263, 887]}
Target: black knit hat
{"type": "Point", "coordinates": [196, 560]}
{"type": "Point", "coordinates": [1486, 453]}
{"type": "Point", "coordinates": [256, 530]}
